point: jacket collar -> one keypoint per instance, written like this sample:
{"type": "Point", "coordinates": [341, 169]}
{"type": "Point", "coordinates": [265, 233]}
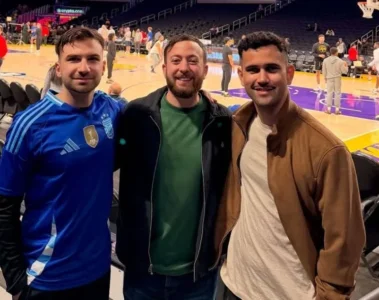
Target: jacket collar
{"type": "Point", "coordinates": [156, 97]}
{"type": "Point", "coordinates": [286, 117]}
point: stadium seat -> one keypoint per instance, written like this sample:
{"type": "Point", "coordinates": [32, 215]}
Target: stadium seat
{"type": "Point", "coordinates": [10, 105]}
{"type": "Point", "coordinates": [368, 177]}
{"type": "Point", "coordinates": [19, 96]}
{"type": "Point", "coordinates": [32, 92]}
{"type": "Point", "coordinates": [309, 63]}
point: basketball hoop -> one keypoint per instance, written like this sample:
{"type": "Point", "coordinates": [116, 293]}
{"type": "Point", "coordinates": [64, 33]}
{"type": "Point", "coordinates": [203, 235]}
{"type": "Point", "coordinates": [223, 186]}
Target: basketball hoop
{"type": "Point", "coordinates": [368, 8]}
{"type": "Point", "coordinates": [367, 11]}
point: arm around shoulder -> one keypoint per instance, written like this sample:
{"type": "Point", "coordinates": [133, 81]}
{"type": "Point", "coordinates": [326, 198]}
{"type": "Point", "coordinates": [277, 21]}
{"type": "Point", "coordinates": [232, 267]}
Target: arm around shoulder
{"type": "Point", "coordinates": [344, 233]}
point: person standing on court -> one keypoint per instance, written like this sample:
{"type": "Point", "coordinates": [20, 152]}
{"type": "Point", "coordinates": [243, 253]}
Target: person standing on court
{"type": "Point", "coordinates": [111, 55]}
{"type": "Point", "coordinates": [374, 64]}
{"type": "Point", "coordinates": [174, 153]}
{"type": "Point", "coordinates": [53, 158]}
{"type": "Point", "coordinates": [320, 51]}
{"type": "Point", "coordinates": [291, 206]}
{"type": "Point", "coordinates": [156, 53]}
{"type": "Point", "coordinates": [332, 68]}
{"type": "Point", "coordinates": [3, 47]}
{"type": "Point", "coordinates": [227, 65]}
{"type": "Point", "coordinates": [38, 38]}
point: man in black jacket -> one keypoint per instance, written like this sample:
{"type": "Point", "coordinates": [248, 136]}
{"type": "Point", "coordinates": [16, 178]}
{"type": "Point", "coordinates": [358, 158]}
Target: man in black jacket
{"type": "Point", "coordinates": [174, 150]}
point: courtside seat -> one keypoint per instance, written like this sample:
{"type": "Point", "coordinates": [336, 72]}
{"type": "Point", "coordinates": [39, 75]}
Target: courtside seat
{"type": "Point", "coordinates": [10, 105]}
{"type": "Point", "coordinates": [368, 177]}
{"type": "Point", "coordinates": [19, 96]}
{"type": "Point", "coordinates": [32, 92]}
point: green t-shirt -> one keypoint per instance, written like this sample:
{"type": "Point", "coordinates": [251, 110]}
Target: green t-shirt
{"type": "Point", "coordinates": [177, 189]}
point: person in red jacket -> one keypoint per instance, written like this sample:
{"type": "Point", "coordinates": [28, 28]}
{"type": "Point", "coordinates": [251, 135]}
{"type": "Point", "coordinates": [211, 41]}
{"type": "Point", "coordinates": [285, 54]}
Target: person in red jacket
{"type": "Point", "coordinates": [353, 53]}
{"type": "Point", "coordinates": [3, 46]}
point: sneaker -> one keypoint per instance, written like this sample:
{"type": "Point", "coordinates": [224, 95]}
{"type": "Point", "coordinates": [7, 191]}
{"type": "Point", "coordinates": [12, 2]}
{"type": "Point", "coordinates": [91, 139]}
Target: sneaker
{"type": "Point", "coordinates": [338, 112]}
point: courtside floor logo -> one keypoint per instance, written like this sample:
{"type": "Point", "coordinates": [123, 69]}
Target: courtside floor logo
{"type": "Point", "coordinates": [12, 74]}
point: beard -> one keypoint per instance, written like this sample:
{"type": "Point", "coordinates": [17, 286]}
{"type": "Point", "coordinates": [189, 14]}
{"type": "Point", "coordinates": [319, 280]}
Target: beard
{"type": "Point", "coordinates": [82, 88]}
{"type": "Point", "coordinates": [184, 92]}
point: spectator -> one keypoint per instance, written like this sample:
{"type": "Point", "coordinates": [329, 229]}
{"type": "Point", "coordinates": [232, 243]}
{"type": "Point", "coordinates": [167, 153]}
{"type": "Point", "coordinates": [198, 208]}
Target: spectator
{"type": "Point", "coordinates": [353, 53]}
{"type": "Point", "coordinates": [341, 47]}
{"type": "Point", "coordinates": [115, 91]}
{"type": "Point", "coordinates": [3, 47]}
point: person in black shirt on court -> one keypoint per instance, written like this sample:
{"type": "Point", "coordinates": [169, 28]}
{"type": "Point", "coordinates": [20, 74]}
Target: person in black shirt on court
{"type": "Point", "coordinates": [227, 65]}
{"type": "Point", "coordinates": [320, 51]}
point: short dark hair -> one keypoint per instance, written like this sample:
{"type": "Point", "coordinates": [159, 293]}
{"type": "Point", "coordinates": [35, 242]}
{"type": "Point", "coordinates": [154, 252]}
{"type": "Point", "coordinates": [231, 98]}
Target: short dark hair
{"type": "Point", "coordinates": [321, 35]}
{"type": "Point", "coordinates": [260, 39]}
{"type": "Point", "coordinates": [111, 36]}
{"type": "Point", "coordinates": [184, 38]}
{"type": "Point", "coordinates": [333, 50]}
{"type": "Point", "coordinates": [77, 34]}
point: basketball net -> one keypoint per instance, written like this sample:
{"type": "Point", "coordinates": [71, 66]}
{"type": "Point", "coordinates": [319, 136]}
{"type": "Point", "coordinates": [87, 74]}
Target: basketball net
{"type": "Point", "coordinates": [368, 8]}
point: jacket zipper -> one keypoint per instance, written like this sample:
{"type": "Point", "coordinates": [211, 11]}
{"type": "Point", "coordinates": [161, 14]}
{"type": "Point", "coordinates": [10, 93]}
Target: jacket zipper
{"type": "Point", "coordinates": [204, 203]}
{"type": "Point", "coordinates": [150, 270]}
{"type": "Point", "coordinates": [240, 182]}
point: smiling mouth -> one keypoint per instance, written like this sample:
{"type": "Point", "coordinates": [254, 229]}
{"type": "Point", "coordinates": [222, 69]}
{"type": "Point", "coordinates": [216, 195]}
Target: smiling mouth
{"type": "Point", "coordinates": [263, 89]}
{"type": "Point", "coordinates": [184, 79]}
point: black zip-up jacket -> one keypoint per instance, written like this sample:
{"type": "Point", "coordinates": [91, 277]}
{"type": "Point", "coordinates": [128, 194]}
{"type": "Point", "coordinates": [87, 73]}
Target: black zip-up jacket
{"type": "Point", "coordinates": [139, 138]}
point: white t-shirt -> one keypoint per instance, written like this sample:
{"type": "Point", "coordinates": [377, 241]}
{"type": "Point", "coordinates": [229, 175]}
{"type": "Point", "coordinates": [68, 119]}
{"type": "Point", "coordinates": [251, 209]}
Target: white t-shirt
{"type": "Point", "coordinates": [375, 61]}
{"type": "Point", "coordinates": [155, 50]}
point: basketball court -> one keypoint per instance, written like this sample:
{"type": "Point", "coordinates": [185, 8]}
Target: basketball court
{"type": "Point", "coordinates": [356, 126]}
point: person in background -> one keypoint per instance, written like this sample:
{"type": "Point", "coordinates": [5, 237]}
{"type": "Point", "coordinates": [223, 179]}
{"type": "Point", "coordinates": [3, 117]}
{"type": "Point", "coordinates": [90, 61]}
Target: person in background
{"type": "Point", "coordinates": [137, 42]}
{"type": "Point", "coordinates": [353, 53]}
{"type": "Point", "coordinates": [320, 51]}
{"type": "Point", "coordinates": [3, 46]}
{"type": "Point", "coordinates": [333, 67]}
{"type": "Point", "coordinates": [33, 36]}
{"type": "Point", "coordinates": [52, 83]}
{"type": "Point", "coordinates": [157, 35]}
{"type": "Point", "coordinates": [115, 91]}
{"type": "Point", "coordinates": [150, 38]}
{"type": "Point", "coordinates": [156, 53]}
{"type": "Point", "coordinates": [38, 38]}
{"type": "Point", "coordinates": [127, 39]}
{"type": "Point", "coordinates": [111, 55]}
{"type": "Point", "coordinates": [341, 46]}
{"type": "Point", "coordinates": [374, 65]}
{"type": "Point", "coordinates": [227, 66]}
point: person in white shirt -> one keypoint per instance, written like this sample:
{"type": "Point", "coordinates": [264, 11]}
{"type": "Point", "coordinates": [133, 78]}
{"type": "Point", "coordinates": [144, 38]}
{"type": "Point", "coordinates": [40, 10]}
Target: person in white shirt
{"type": "Point", "coordinates": [127, 39]}
{"type": "Point", "coordinates": [375, 66]}
{"type": "Point", "coordinates": [137, 41]}
{"type": "Point", "coordinates": [156, 53]}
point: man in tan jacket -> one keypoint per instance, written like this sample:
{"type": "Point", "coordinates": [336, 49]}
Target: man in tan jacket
{"type": "Point", "coordinates": [291, 206]}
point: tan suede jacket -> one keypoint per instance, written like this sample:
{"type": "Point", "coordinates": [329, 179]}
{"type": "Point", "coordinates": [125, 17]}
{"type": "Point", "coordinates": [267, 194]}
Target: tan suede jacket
{"type": "Point", "coordinates": [313, 181]}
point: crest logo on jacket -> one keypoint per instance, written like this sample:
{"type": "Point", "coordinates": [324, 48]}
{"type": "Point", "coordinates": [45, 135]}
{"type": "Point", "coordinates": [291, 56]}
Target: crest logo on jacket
{"type": "Point", "coordinates": [91, 136]}
{"type": "Point", "coordinates": [108, 126]}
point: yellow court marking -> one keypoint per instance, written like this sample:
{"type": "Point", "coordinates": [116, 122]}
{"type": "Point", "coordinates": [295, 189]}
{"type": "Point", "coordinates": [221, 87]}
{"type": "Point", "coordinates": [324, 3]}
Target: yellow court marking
{"type": "Point", "coordinates": [367, 143]}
